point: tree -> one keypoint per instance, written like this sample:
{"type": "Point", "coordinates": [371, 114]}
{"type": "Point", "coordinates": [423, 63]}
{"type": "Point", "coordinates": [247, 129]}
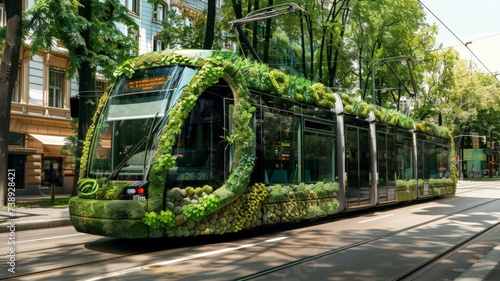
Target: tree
{"type": "Point", "coordinates": [8, 74]}
{"type": "Point", "coordinates": [91, 31]}
{"type": "Point", "coordinates": [210, 30]}
{"type": "Point", "coordinates": [473, 102]}
{"type": "Point", "coordinates": [434, 99]}
{"type": "Point", "coordinates": [177, 34]}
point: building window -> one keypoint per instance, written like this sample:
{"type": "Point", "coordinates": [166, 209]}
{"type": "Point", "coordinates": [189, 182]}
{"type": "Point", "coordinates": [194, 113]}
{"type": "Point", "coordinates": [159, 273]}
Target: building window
{"type": "Point", "coordinates": [52, 171]}
{"type": "Point", "coordinates": [100, 86]}
{"type": "Point", "coordinates": [16, 139]}
{"type": "Point", "coordinates": [160, 12]}
{"type": "Point", "coordinates": [2, 15]}
{"type": "Point", "coordinates": [158, 44]}
{"type": "Point", "coordinates": [133, 6]}
{"type": "Point", "coordinates": [15, 92]}
{"type": "Point", "coordinates": [56, 89]}
{"type": "Point", "coordinates": [135, 52]}
{"type": "Point", "coordinates": [17, 163]}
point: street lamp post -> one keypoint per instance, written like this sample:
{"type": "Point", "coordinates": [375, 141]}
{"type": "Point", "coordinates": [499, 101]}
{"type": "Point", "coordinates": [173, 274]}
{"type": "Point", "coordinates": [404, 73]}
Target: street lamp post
{"type": "Point", "coordinates": [470, 62]}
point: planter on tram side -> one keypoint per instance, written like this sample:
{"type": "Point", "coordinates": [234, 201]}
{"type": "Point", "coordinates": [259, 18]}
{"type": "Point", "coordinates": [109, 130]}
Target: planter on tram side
{"type": "Point", "coordinates": [405, 190]}
{"type": "Point", "coordinates": [440, 187]}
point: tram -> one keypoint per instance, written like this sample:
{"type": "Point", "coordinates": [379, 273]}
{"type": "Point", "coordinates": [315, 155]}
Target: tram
{"type": "Point", "coordinates": [199, 142]}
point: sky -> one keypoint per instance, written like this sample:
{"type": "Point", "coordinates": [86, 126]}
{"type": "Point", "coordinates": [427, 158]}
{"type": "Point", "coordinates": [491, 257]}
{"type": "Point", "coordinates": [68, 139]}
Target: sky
{"type": "Point", "coordinates": [477, 22]}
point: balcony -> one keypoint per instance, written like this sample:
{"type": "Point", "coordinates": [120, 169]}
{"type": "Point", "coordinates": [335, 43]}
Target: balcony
{"type": "Point", "coordinates": [41, 111]}
{"type": "Point", "coordinates": [193, 5]}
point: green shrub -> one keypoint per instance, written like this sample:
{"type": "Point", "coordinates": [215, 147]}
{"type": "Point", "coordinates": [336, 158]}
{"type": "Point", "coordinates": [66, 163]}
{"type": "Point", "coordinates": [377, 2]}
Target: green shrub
{"type": "Point", "coordinates": [165, 219]}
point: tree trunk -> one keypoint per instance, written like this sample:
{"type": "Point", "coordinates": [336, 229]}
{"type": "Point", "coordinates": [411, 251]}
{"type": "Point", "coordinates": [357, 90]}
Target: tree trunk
{"type": "Point", "coordinates": [267, 38]}
{"type": "Point", "coordinates": [209, 34]}
{"type": "Point", "coordinates": [9, 67]}
{"type": "Point", "coordinates": [238, 12]}
{"type": "Point", "coordinates": [88, 97]}
{"type": "Point", "coordinates": [255, 26]}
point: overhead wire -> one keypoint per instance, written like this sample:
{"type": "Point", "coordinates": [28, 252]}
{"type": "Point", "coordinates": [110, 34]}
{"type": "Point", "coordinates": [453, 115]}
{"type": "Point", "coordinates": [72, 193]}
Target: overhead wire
{"type": "Point", "coordinates": [458, 38]}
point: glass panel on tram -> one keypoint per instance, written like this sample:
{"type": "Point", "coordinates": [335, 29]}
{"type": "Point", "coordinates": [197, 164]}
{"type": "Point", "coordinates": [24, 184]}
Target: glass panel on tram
{"type": "Point", "coordinates": [443, 162]}
{"type": "Point", "coordinates": [404, 155]}
{"type": "Point", "coordinates": [420, 159]}
{"type": "Point", "coordinates": [391, 165]}
{"type": "Point", "coordinates": [281, 152]}
{"type": "Point", "coordinates": [131, 120]}
{"type": "Point", "coordinates": [426, 160]}
{"type": "Point", "coordinates": [358, 165]}
{"type": "Point", "coordinates": [199, 147]}
{"type": "Point", "coordinates": [433, 165]}
{"type": "Point", "coordinates": [386, 164]}
{"type": "Point", "coordinates": [364, 161]}
{"type": "Point", "coordinates": [319, 151]}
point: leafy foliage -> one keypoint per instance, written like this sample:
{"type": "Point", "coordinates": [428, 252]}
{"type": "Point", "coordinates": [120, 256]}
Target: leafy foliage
{"type": "Point", "coordinates": [93, 37]}
{"type": "Point", "coordinates": [302, 191]}
{"type": "Point", "coordinates": [247, 213]}
{"type": "Point", "coordinates": [164, 220]}
{"type": "Point", "coordinates": [92, 130]}
{"type": "Point", "coordinates": [177, 34]}
{"type": "Point", "coordinates": [206, 204]}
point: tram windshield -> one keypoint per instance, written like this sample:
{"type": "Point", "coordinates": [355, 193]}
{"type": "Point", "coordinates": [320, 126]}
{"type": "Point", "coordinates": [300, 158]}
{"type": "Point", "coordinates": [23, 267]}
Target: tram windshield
{"type": "Point", "coordinates": [124, 143]}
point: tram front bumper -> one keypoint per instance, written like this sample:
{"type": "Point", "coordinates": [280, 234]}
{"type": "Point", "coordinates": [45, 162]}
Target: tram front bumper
{"type": "Point", "coordinates": [114, 218]}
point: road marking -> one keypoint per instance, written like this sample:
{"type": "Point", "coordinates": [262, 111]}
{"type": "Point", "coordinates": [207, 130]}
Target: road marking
{"type": "Point", "coordinates": [49, 238]}
{"type": "Point", "coordinates": [418, 209]}
{"type": "Point", "coordinates": [38, 221]}
{"type": "Point", "coordinates": [376, 218]}
{"type": "Point", "coordinates": [119, 273]}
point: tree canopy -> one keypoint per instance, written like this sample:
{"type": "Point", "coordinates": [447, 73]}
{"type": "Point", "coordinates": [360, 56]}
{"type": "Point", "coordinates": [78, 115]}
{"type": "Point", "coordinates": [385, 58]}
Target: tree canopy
{"type": "Point", "coordinates": [380, 51]}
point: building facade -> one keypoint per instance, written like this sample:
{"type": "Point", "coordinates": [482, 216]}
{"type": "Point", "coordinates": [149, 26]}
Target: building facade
{"type": "Point", "coordinates": [40, 116]}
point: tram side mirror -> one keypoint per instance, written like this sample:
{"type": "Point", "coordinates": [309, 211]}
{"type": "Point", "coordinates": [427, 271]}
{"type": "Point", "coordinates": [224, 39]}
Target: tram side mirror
{"type": "Point", "coordinates": [74, 105]}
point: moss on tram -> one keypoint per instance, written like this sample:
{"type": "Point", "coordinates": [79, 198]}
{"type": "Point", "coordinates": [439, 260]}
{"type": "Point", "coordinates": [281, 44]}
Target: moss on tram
{"type": "Point", "coordinates": [235, 205]}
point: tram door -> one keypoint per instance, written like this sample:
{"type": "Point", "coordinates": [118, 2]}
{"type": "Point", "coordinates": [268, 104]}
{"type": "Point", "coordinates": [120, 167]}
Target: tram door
{"type": "Point", "coordinates": [386, 166]}
{"type": "Point", "coordinates": [358, 166]}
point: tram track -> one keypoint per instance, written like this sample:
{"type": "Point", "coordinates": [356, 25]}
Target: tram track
{"type": "Point", "coordinates": [410, 272]}
{"type": "Point", "coordinates": [131, 257]}
{"type": "Point", "coordinates": [427, 265]}
{"type": "Point", "coordinates": [41, 273]}
{"type": "Point", "coordinates": [104, 261]}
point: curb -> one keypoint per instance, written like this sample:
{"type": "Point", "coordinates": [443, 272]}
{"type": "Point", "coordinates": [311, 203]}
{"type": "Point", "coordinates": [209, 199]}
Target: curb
{"type": "Point", "coordinates": [29, 225]}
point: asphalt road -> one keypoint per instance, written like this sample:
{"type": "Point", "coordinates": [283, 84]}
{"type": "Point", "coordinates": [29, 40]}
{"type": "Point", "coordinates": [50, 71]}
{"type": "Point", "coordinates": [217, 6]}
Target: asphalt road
{"type": "Point", "coordinates": [380, 244]}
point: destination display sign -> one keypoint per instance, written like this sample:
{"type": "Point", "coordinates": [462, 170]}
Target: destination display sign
{"type": "Point", "coordinates": [146, 84]}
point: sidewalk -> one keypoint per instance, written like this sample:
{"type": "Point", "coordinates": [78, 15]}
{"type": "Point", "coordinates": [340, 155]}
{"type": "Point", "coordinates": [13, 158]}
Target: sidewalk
{"type": "Point", "coordinates": [478, 261]}
{"type": "Point", "coordinates": [33, 216]}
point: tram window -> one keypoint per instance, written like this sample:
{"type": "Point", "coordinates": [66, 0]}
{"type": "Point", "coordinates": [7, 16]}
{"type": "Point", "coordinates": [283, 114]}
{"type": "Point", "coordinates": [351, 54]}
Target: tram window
{"type": "Point", "coordinates": [433, 165]}
{"type": "Point", "coordinates": [442, 162]}
{"type": "Point", "coordinates": [404, 156]}
{"type": "Point", "coordinates": [385, 155]}
{"type": "Point", "coordinates": [280, 141]}
{"type": "Point", "coordinates": [426, 158]}
{"type": "Point", "coordinates": [319, 151]}
{"type": "Point", "coordinates": [199, 149]}
{"type": "Point", "coordinates": [358, 146]}
{"type": "Point", "coordinates": [319, 126]}
{"type": "Point", "coordinates": [319, 113]}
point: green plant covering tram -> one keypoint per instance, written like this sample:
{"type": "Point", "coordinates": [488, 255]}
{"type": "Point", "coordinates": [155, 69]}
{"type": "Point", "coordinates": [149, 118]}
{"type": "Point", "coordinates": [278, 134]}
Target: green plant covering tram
{"type": "Point", "coordinates": [197, 142]}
